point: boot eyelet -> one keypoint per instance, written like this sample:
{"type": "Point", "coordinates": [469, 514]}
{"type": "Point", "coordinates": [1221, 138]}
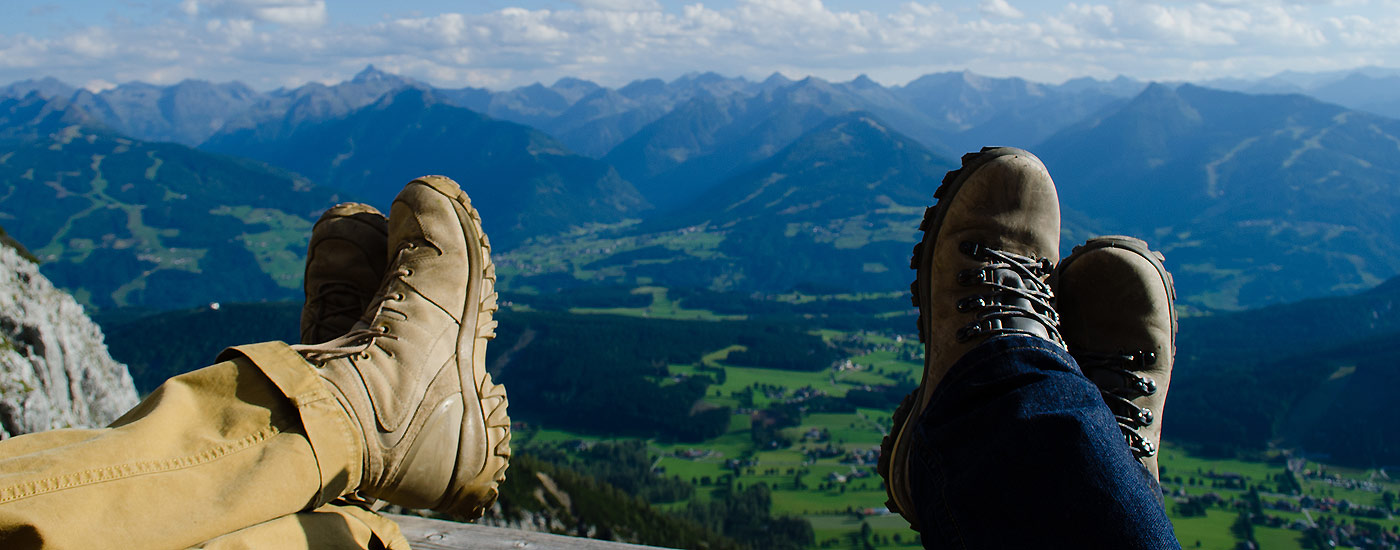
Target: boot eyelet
{"type": "Point", "coordinates": [364, 355]}
{"type": "Point", "coordinates": [384, 329]}
{"type": "Point", "coordinates": [970, 303]}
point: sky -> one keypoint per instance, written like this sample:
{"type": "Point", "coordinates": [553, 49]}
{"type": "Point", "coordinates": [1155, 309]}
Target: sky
{"type": "Point", "coordinates": [500, 44]}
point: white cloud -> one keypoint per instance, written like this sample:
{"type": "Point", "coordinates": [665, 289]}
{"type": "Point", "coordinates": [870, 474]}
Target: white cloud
{"type": "Point", "coordinates": [1000, 8]}
{"type": "Point", "coordinates": [1361, 32]}
{"type": "Point", "coordinates": [286, 12]}
{"type": "Point", "coordinates": [97, 85]}
{"type": "Point", "coordinates": [270, 43]}
{"type": "Point", "coordinates": [618, 5]}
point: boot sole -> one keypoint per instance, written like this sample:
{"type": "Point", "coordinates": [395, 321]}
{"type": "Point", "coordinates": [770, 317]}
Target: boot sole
{"type": "Point", "coordinates": [894, 457]}
{"type": "Point", "coordinates": [471, 493]}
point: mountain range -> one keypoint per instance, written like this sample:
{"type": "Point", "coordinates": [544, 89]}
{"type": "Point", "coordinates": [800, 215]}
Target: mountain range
{"type": "Point", "coordinates": [1261, 198]}
{"type": "Point", "coordinates": [719, 182]}
{"type": "Point", "coordinates": [1370, 89]}
{"type": "Point", "coordinates": [118, 221]}
{"type": "Point", "coordinates": [525, 181]}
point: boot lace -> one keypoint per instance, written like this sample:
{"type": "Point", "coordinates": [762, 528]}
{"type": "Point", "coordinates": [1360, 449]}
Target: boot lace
{"type": "Point", "coordinates": [358, 340]}
{"type": "Point", "coordinates": [335, 299]}
{"type": "Point", "coordinates": [1120, 387]}
{"type": "Point", "coordinates": [997, 310]}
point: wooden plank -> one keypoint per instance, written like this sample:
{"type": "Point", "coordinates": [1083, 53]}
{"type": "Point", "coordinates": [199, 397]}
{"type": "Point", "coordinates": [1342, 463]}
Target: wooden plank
{"type": "Point", "coordinates": [435, 534]}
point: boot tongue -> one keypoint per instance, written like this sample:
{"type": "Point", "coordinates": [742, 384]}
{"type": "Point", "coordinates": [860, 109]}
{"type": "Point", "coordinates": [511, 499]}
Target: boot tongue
{"type": "Point", "coordinates": [1010, 278]}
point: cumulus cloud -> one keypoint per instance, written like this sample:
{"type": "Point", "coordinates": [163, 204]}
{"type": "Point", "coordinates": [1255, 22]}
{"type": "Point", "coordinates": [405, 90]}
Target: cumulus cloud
{"type": "Point", "coordinates": [286, 12]}
{"type": "Point", "coordinates": [97, 85]}
{"type": "Point", "coordinates": [618, 5]}
{"type": "Point", "coordinates": [270, 43]}
{"type": "Point", "coordinates": [1000, 8]}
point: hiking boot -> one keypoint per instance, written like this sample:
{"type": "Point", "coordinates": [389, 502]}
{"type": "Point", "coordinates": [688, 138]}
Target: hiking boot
{"type": "Point", "coordinates": [435, 428]}
{"type": "Point", "coordinates": [988, 245]}
{"type": "Point", "coordinates": [1117, 304]}
{"type": "Point", "coordinates": [344, 264]}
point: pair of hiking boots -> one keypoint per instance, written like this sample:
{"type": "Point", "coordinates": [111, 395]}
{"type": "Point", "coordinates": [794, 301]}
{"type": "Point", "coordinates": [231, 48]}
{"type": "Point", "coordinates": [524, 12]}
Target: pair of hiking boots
{"type": "Point", "coordinates": [398, 312]}
{"type": "Point", "coordinates": [986, 267]}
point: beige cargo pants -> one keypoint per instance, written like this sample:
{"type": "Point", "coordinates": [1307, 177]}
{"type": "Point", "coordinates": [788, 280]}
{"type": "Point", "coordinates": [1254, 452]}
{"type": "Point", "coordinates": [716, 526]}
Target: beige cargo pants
{"type": "Point", "coordinates": [249, 453]}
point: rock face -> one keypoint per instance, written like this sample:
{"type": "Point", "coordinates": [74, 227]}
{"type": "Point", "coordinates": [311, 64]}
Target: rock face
{"type": "Point", "coordinates": [54, 368]}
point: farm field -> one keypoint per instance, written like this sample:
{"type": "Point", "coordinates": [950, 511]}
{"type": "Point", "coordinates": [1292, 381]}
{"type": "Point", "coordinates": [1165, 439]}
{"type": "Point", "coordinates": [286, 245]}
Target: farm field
{"type": "Point", "coordinates": [822, 466]}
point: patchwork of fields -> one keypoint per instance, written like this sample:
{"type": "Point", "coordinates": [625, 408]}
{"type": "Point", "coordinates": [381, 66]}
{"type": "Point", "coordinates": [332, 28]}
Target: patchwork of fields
{"type": "Point", "coordinates": [822, 468]}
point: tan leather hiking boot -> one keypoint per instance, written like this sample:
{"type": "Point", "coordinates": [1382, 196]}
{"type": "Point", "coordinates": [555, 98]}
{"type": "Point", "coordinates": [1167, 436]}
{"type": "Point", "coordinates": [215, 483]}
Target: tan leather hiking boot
{"type": "Point", "coordinates": [989, 243]}
{"type": "Point", "coordinates": [345, 262]}
{"type": "Point", "coordinates": [435, 427]}
{"type": "Point", "coordinates": [1118, 307]}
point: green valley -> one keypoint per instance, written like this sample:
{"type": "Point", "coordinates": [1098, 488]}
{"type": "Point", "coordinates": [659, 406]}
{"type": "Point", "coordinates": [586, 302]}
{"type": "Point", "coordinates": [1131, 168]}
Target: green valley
{"type": "Point", "coordinates": [787, 403]}
{"type": "Point", "coordinates": [120, 222]}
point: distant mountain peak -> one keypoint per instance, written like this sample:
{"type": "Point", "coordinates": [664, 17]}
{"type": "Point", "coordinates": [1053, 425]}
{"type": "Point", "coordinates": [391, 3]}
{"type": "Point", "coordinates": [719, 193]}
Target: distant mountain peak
{"type": "Point", "coordinates": [47, 86]}
{"type": "Point", "coordinates": [643, 87]}
{"type": "Point", "coordinates": [373, 74]}
{"type": "Point", "coordinates": [864, 82]}
{"type": "Point", "coordinates": [572, 82]}
{"type": "Point", "coordinates": [700, 78]}
{"type": "Point", "coordinates": [1161, 90]}
{"type": "Point", "coordinates": [777, 78]}
{"type": "Point", "coordinates": [812, 82]}
{"type": "Point", "coordinates": [35, 115]}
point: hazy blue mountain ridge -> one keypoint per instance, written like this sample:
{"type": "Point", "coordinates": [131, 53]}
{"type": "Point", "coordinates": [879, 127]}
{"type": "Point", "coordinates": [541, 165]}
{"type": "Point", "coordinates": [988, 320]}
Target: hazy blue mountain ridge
{"type": "Point", "coordinates": [1256, 199]}
{"type": "Point", "coordinates": [48, 88]}
{"type": "Point", "coordinates": [282, 112]}
{"type": "Point", "coordinates": [839, 208]}
{"type": "Point", "coordinates": [523, 181]}
{"type": "Point", "coordinates": [1375, 94]}
{"type": "Point", "coordinates": [585, 116]}
{"type": "Point", "coordinates": [968, 111]}
{"type": "Point", "coordinates": [187, 112]}
{"type": "Point", "coordinates": [35, 116]}
{"type": "Point", "coordinates": [714, 138]}
{"type": "Point", "coordinates": [1369, 89]}
{"type": "Point", "coordinates": [118, 221]}
{"type": "Point", "coordinates": [947, 111]}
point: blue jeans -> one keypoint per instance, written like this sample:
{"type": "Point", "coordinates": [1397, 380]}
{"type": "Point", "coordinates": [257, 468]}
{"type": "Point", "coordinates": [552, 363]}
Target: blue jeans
{"type": "Point", "coordinates": [1017, 450]}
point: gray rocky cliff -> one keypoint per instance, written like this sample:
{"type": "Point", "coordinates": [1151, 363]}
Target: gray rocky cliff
{"type": "Point", "coordinates": [55, 371]}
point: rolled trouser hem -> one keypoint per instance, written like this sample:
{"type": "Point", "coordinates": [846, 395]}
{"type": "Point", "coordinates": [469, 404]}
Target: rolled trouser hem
{"type": "Point", "coordinates": [335, 439]}
{"type": "Point", "coordinates": [1016, 430]}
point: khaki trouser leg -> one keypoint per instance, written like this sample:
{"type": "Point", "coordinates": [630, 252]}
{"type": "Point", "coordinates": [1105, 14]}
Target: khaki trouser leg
{"type": "Point", "coordinates": [335, 526]}
{"type": "Point", "coordinates": [245, 441]}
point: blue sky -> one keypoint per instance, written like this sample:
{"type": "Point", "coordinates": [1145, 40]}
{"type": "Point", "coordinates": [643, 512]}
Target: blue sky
{"type": "Point", "coordinates": [504, 43]}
